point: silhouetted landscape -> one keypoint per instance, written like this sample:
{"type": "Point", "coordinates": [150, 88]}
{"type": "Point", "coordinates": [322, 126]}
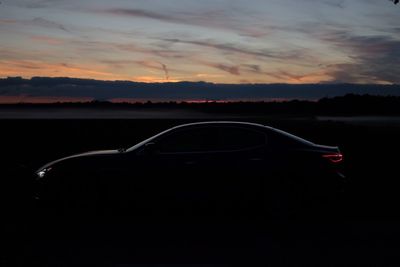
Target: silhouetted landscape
{"type": "Point", "coordinates": [365, 128]}
{"type": "Point", "coordinates": [348, 105]}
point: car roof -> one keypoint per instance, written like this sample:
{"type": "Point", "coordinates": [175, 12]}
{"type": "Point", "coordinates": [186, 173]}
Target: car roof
{"type": "Point", "coordinates": [220, 123]}
{"type": "Point", "coordinates": [245, 124]}
{"type": "Point", "coordinates": [224, 123]}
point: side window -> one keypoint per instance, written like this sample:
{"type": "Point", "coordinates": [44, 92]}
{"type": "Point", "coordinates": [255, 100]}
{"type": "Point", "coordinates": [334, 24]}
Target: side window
{"type": "Point", "coordinates": [233, 138]}
{"type": "Point", "coordinates": [193, 140]}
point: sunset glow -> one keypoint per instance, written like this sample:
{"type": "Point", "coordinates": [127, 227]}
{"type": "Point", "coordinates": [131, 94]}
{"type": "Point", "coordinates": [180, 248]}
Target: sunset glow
{"type": "Point", "coordinates": [224, 41]}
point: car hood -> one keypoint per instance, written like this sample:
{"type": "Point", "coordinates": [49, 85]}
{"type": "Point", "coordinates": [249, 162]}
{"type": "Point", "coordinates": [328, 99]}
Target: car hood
{"type": "Point", "coordinates": [86, 154]}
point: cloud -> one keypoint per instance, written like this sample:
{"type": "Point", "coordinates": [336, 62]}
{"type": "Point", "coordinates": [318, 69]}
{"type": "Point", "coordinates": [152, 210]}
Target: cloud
{"type": "Point", "coordinates": [296, 78]}
{"type": "Point", "coordinates": [230, 19]}
{"type": "Point", "coordinates": [131, 47]}
{"type": "Point", "coordinates": [48, 24]}
{"type": "Point", "coordinates": [144, 14]}
{"type": "Point", "coordinates": [155, 65]}
{"type": "Point", "coordinates": [144, 63]}
{"type": "Point", "coordinates": [165, 70]}
{"type": "Point", "coordinates": [39, 68]}
{"type": "Point", "coordinates": [331, 3]}
{"type": "Point", "coordinates": [33, 4]}
{"type": "Point", "coordinates": [230, 48]}
{"type": "Point", "coordinates": [253, 68]}
{"type": "Point", "coordinates": [8, 21]}
{"type": "Point", "coordinates": [234, 70]}
{"type": "Point", "coordinates": [47, 40]}
{"type": "Point", "coordinates": [371, 59]}
{"type": "Point", "coordinates": [38, 21]}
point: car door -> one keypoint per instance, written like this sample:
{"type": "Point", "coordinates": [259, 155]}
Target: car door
{"type": "Point", "coordinates": [183, 160]}
{"type": "Point", "coordinates": [242, 164]}
{"type": "Point", "coordinates": [244, 150]}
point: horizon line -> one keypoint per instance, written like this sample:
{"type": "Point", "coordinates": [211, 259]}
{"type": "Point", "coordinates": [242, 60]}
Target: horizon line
{"type": "Point", "coordinates": [176, 82]}
{"type": "Point", "coordinates": [193, 102]}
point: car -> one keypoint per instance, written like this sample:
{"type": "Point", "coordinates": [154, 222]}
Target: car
{"type": "Point", "coordinates": [215, 167]}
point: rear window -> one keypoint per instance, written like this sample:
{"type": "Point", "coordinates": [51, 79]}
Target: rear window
{"type": "Point", "coordinates": [290, 139]}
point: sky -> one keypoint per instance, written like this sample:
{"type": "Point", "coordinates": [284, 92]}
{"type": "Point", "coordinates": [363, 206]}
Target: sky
{"type": "Point", "coordinates": [218, 41]}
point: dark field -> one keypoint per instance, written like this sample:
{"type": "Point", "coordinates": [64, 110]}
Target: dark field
{"type": "Point", "coordinates": [364, 231]}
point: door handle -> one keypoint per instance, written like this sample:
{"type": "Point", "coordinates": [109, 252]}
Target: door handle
{"type": "Point", "coordinates": [255, 159]}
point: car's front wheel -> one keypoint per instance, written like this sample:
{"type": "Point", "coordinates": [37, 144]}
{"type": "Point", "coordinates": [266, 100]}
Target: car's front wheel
{"type": "Point", "coordinates": [69, 194]}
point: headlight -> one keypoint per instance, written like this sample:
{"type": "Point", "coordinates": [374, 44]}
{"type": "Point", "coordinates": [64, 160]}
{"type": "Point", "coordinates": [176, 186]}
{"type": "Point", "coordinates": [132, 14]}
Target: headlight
{"type": "Point", "coordinates": [42, 173]}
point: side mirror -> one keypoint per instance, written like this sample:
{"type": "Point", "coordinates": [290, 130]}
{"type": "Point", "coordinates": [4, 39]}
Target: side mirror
{"type": "Point", "coordinates": [150, 149]}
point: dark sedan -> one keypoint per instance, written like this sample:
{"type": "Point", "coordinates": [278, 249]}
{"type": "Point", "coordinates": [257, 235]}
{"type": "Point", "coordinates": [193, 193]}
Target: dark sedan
{"type": "Point", "coordinates": [215, 167]}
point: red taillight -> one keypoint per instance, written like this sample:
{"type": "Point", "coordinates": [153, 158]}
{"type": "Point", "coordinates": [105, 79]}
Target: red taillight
{"type": "Point", "coordinates": [335, 157]}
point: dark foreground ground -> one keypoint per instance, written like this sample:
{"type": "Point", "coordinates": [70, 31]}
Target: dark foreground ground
{"type": "Point", "coordinates": [365, 231]}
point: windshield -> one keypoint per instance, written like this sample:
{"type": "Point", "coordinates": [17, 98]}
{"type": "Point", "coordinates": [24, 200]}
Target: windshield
{"type": "Point", "coordinates": [292, 136]}
{"type": "Point", "coordinates": [148, 140]}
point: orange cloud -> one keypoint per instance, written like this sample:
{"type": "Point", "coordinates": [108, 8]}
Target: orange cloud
{"type": "Point", "coordinates": [101, 71]}
{"type": "Point", "coordinates": [47, 40]}
{"type": "Point", "coordinates": [152, 79]}
{"type": "Point", "coordinates": [8, 21]}
{"type": "Point", "coordinates": [307, 78]}
{"type": "Point", "coordinates": [31, 68]}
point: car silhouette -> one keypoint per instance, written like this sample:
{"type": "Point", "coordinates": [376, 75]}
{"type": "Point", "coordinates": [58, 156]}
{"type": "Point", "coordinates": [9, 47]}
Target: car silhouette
{"type": "Point", "coordinates": [207, 167]}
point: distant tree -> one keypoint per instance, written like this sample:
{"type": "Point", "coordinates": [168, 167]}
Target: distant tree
{"type": "Point", "coordinates": [395, 1]}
